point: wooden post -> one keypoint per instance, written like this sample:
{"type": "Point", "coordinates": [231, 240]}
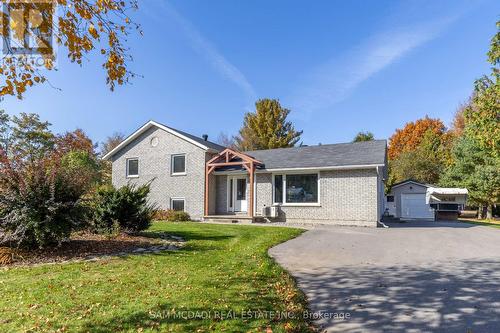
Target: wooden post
{"type": "Point", "coordinates": [206, 189]}
{"type": "Point", "coordinates": [251, 190]}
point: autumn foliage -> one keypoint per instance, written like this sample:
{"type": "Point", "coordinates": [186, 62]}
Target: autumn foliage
{"type": "Point", "coordinates": [81, 27]}
{"type": "Point", "coordinates": [411, 135]}
{"type": "Point", "coordinates": [267, 127]}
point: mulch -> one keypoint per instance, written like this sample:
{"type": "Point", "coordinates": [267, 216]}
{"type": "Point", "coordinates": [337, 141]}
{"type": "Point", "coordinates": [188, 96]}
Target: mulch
{"type": "Point", "coordinates": [80, 246]}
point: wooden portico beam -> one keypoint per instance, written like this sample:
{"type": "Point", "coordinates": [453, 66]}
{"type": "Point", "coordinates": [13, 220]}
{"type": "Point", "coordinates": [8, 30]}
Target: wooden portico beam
{"type": "Point", "coordinates": [226, 155]}
{"type": "Point", "coordinates": [251, 171]}
{"type": "Point", "coordinates": [222, 164]}
{"type": "Point", "coordinates": [207, 188]}
{"type": "Point", "coordinates": [224, 159]}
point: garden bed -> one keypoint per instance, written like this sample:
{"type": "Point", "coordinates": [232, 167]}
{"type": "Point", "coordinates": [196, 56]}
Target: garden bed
{"type": "Point", "coordinates": [87, 246]}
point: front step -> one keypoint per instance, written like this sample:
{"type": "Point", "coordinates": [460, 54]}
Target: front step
{"type": "Point", "coordinates": [241, 219]}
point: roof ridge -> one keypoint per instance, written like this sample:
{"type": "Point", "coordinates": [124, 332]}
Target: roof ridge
{"type": "Point", "coordinates": [201, 140]}
{"type": "Point", "coordinates": [320, 145]}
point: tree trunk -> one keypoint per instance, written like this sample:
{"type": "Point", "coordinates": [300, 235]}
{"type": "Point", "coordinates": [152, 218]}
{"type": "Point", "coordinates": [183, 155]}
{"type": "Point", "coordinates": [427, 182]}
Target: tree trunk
{"type": "Point", "coordinates": [489, 211]}
{"type": "Point", "coordinates": [480, 211]}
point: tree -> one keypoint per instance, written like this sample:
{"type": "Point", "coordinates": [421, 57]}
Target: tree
{"type": "Point", "coordinates": [39, 202]}
{"type": "Point", "coordinates": [40, 189]}
{"type": "Point", "coordinates": [475, 170]}
{"type": "Point", "coordinates": [425, 163]}
{"type": "Point", "coordinates": [363, 136]}
{"type": "Point", "coordinates": [494, 52]}
{"type": "Point", "coordinates": [75, 140]}
{"type": "Point", "coordinates": [476, 155]}
{"type": "Point", "coordinates": [458, 122]}
{"type": "Point", "coordinates": [43, 178]}
{"type": "Point", "coordinates": [420, 150]}
{"type": "Point", "coordinates": [111, 142]}
{"type": "Point", "coordinates": [227, 141]}
{"type": "Point", "coordinates": [482, 120]}
{"type": "Point", "coordinates": [409, 137]}
{"type": "Point", "coordinates": [267, 128]}
{"type": "Point", "coordinates": [4, 129]}
{"type": "Point", "coordinates": [30, 137]}
{"type": "Point", "coordinates": [82, 27]}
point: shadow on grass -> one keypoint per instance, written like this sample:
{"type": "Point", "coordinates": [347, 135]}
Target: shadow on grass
{"type": "Point", "coordinates": [192, 319]}
{"type": "Point", "coordinates": [162, 317]}
{"type": "Point", "coordinates": [186, 235]}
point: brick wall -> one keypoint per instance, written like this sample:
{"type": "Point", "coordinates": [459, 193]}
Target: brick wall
{"type": "Point", "coordinates": [347, 197]}
{"type": "Point", "coordinates": [155, 163]}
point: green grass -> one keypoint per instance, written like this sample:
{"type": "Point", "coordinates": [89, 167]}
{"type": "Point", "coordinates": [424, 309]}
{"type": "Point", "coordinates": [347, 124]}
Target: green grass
{"type": "Point", "coordinates": [486, 222]}
{"type": "Point", "coordinates": [223, 268]}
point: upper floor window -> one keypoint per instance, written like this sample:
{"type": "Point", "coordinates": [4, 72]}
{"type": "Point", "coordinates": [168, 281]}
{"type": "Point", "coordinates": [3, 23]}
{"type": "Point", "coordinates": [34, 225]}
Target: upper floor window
{"type": "Point", "coordinates": [132, 167]}
{"type": "Point", "coordinates": [178, 164]}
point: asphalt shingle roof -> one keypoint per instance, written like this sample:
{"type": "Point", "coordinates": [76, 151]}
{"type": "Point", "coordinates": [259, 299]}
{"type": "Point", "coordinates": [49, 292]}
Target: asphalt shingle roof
{"type": "Point", "coordinates": [209, 144]}
{"type": "Point", "coordinates": [340, 154]}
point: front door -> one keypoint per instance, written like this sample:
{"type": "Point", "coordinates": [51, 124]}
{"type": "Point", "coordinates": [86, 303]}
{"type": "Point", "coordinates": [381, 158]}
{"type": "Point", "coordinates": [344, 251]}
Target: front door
{"type": "Point", "coordinates": [238, 194]}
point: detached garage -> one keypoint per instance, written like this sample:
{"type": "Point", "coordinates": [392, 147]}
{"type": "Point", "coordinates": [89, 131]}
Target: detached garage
{"type": "Point", "coordinates": [413, 206]}
{"type": "Point", "coordinates": [413, 200]}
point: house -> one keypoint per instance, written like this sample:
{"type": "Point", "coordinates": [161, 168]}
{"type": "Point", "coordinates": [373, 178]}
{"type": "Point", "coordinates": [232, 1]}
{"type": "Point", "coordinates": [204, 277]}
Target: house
{"type": "Point", "coordinates": [334, 183]}
{"type": "Point", "coordinates": [410, 199]}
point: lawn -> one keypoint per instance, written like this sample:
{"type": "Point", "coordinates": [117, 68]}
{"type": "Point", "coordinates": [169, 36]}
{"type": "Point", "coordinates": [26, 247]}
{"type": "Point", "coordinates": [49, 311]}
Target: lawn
{"type": "Point", "coordinates": [221, 274]}
{"type": "Point", "coordinates": [487, 222]}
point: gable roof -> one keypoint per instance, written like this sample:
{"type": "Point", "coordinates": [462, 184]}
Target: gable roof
{"type": "Point", "coordinates": [409, 180]}
{"type": "Point", "coordinates": [197, 141]}
{"type": "Point", "coordinates": [368, 153]}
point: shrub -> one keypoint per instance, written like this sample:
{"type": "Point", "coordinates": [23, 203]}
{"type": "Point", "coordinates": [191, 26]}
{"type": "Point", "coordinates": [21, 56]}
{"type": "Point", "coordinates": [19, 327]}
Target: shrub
{"type": "Point", "coordinates": [172, 215]}
{"type": "Point", "coordinates": [127, 206]}
{"type": "Point", "coordinates": [178, 216]}
{"type": "Point", "coordinates": [162, 214]}
{"type": "Point", "coordinates": [42, 181]}
{"type": "Point", "coordinates": [39, 205]}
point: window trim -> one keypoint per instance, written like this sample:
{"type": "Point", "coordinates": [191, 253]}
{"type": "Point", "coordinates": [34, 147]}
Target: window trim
{"type": "Point", "coordinates": [127, 175]}
{"type": "Point", "coordinates": [172, 157]}
{"type": "Point", "coordinates": [177, 199]}
{"type": "Point", "coordinates": [297, 204]}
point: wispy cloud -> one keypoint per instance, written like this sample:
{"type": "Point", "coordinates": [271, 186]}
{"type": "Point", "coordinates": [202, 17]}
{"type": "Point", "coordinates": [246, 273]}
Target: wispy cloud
{"type": "Point", "coordinates": [206, 49]}
{"type": "Point", "coordinates": [333, 81]}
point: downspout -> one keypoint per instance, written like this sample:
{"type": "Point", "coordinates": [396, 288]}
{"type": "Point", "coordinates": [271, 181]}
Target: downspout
{"type": "Point", "coordinates": [379, 205]}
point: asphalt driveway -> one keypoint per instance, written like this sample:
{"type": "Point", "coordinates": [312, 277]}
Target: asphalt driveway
{"type": "Point", "coordinates": [411, 277]}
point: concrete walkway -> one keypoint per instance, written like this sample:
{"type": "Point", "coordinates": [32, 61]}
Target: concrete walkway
{"type": "Point", "coordinates": [411, 277]}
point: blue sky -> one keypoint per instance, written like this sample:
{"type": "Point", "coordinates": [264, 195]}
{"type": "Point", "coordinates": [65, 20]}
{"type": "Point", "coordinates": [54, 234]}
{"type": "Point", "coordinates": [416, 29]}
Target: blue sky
{"type": "Point", "coordinates": [340, 66]}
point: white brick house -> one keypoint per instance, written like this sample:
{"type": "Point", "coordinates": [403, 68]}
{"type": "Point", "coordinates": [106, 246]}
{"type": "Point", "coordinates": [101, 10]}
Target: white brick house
{"type": "Point", "coordinates": [331, 184]}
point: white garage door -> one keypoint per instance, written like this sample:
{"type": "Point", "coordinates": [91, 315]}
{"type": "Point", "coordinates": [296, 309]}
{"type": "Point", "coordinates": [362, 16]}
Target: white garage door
{"type": "Point", "coordinates": [413, 206]}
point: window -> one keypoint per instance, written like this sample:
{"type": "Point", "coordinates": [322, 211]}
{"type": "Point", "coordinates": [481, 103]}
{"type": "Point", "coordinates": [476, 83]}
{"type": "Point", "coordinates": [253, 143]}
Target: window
{"type": "Point", "coordinates": [231, 192]}
{"type": "Point", "coordinates": [177, 204]}
{"type": "Point", "coordinates": [241, 189]}
{"type": "Point", "coordinates": [390, 198]}
{"type": "Point", "coordinates": [301, 188]}
{"type": "Point", "coordinates": [179, 164]}
{"type": "Point", "coordinates": [296, 189]}
{"type": "Point", "coordinates": [132, 167]}
{"type": "Point", "coordinates": [278, 189]}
